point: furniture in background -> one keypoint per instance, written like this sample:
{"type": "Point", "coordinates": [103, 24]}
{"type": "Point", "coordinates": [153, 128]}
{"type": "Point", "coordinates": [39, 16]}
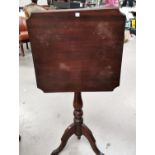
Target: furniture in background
{"type": "Point", "coordinates": [21, 8]}
{"type": "Point", "coordinates": [78, 51]}
{"type": "Point", "coordinates": [68, 4]}
{"type": "Point", "coordinates": [23, 34]}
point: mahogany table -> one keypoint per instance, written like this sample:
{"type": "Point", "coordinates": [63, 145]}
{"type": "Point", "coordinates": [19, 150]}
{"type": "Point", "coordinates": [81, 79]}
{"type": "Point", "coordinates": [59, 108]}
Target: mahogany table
{"type": "Point", "coordinates": [77, 51]}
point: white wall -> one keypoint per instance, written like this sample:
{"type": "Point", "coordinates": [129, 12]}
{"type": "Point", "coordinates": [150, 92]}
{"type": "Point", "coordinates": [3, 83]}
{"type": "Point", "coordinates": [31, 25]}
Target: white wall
{"type": "Point", "coordinates": [25, 2]}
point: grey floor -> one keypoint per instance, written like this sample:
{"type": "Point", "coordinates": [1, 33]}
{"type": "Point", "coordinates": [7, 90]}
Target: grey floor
{"type": "Point", "coordinates": [110, 115]}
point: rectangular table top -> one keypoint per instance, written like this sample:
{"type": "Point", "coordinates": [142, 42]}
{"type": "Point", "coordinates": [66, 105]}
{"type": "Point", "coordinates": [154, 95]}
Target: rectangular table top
{"type": "Point", "coordinates": [77, 50]}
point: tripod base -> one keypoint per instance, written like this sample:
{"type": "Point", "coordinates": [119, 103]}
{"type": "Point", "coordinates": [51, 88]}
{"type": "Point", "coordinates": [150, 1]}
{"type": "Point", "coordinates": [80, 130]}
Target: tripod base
{"type": "Point", "coordinates": [77, 128]}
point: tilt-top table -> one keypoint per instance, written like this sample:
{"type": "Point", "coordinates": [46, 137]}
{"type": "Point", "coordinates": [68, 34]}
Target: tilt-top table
{"type": "Point", "coordinates": [77, 51]}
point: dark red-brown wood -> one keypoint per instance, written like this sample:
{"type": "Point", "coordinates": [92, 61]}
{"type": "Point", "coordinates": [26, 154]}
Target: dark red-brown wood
{"type": "Point", "coordinates": [78, 128]}
{"type": "Point", "coordinates": [75, 54]}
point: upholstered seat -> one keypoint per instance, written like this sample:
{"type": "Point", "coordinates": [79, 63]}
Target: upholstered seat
{"type": "Point", "coordinates": [23, 36]}
{"type": "Point", "coordinates": [23, 33]}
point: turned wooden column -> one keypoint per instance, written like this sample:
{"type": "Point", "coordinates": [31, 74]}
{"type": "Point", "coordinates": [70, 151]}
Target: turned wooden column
{"type": "Point", "coordinates": [78, 113]}
{"type": "Point", "coordinates": [77, 127]}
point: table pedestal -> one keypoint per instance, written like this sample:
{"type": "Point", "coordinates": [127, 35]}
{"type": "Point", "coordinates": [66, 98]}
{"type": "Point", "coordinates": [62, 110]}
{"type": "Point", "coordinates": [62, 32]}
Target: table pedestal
{"type": "Point", "coordinates": [78, 128]}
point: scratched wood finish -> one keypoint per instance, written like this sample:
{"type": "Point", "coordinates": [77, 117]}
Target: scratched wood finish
{"type": "Point", "coordinates": [77, 53]}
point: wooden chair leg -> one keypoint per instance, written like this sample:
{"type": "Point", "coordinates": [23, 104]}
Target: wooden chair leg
{"type": "Point", "coordinates": [27, 46]}
{"type": "Point", "coordinates": [22, 49]}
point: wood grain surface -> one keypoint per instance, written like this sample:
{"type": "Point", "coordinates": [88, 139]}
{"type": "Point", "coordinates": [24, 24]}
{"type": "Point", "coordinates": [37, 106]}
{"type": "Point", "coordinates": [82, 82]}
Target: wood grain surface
{"type": "Point", "coordinates": [77, 50]}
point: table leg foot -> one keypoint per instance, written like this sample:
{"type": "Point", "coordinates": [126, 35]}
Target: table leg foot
{"type": "Point", "coordinates": [67, 134]}
{"type": "Point", "coordinates": [88, 134]}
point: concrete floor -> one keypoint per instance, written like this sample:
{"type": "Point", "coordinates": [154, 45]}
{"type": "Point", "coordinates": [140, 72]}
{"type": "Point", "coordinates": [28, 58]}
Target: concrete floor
{"type": "Point", "coordinates": [110, 115]}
